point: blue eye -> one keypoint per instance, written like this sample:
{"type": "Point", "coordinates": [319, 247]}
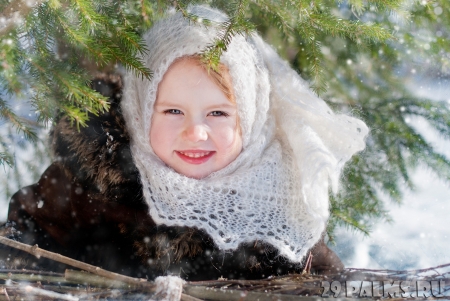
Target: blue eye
{"type": "Point", "coordinates": [173, 111]}
{"type": "Point", "coordinates": [218, 113]}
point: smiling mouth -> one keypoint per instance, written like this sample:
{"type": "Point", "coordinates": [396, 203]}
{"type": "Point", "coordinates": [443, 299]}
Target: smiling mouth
{"type": "Point", "coordinates": [195, 157]}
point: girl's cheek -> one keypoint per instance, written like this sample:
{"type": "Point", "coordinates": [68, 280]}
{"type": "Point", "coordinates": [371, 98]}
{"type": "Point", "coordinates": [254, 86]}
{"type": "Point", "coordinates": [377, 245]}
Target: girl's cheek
{"type": "Point", "coordinates": [228, 135]}
{"type": "Point", "coordinates": [160, 131]}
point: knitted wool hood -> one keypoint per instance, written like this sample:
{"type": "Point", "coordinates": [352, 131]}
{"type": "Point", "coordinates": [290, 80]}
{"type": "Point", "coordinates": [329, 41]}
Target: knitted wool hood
{"type": "Point", "coordinates": [294, 146]}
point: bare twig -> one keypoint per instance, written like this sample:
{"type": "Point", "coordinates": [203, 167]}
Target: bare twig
{"type": "Point", "coordinates": [185, 297]}
{"type": "Point", "coordinates": [94, 280]}
{"type": "Point", "coordinates": [6, 294]}
{"type": "Point", "coordinates": [30, 277]}
{"type": "Point", "coordinates": [34, 272]}
{"type": "Point", "coordinates": [38, 252]}
{"type": "Point", "coordinates": [307, 269]}
{"type": "Point", "coordinates": [401, 272]}
{"type": "Point", "coordinates": [45, 293]}
{"type": "Point", "coordinates": [231, 295]}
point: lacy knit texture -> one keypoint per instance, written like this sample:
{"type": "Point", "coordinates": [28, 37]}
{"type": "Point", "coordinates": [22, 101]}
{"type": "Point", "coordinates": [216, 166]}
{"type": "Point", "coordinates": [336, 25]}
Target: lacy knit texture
{"type": "Point", "coordinates": [294, 146]}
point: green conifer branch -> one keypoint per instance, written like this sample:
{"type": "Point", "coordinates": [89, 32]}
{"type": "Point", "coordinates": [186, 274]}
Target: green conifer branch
{"type": "Point", "coordinates": [6, 159]}
{"type": "Point", "coordinates": [276, 13]}
{"type": "Point", "coordinates": [9, 57]}
{"type": "Point", "coordinates": [237, 24]}
{"type": "Point", "coordinates": [45, 106]}
{"type": "Point", "coordinates": [347, 220]}
{"type": "Point", "coordinates": [357, 203]}
{"type": "Point", "coordinates": [37, 60]}
{"type": "Point", "coordinates": [13, 11]}
{"type": "Point", "coordinates": [90, 19]}
{"type": "Point", "coordinates": [19, 123]}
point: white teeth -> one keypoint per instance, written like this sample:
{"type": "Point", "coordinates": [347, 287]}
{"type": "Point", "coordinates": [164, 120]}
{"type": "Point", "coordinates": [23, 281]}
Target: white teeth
{"type": "Point", "coordinates": [195, 155]}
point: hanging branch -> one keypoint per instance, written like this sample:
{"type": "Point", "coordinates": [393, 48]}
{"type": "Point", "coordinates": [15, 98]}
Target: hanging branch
{"type": "Point", "coordinates": [14, 12]}
{"type": "Point", "coordinates": [237, 24]}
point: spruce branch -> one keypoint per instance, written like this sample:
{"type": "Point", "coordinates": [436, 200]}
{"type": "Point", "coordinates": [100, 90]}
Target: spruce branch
{"type": "Point", "coordinates": [10, 55]}
{"type": "Point", "coordinates": [349, 221]}
{"type": "Point", "coordinates": [90, 19]}
{"type": "Point", "coordinates": [277, 15]}
{"type": "Point", "coordinates": [6, 159]}
{"type": "Point", "coordinates": [19, 123]}
{"type": "Point", "coordinates": [14, 13]}
{"type": "Point", "coordinates": [35, 57]}
{"type": "Point", "coordinates": [237, 24]}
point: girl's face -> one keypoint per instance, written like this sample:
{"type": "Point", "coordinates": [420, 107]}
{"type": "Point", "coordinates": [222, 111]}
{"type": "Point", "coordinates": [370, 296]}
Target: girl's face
{"type": "Point", "coordinates": [194, 127]}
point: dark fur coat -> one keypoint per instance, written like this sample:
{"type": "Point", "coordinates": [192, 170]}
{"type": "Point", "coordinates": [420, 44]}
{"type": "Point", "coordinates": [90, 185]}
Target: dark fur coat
{"type": "Point", "coordinates": [89, 205]}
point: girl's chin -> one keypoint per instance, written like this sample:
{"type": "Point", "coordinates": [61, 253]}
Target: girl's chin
{"type": "Point", "coordinates": [195, 174]}
{"type": "Point", "coordinates": [192, 171]}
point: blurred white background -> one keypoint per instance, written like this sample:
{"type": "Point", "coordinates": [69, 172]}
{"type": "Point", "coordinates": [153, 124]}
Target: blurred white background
{"type": "Point", "coordinates": [419, 235]}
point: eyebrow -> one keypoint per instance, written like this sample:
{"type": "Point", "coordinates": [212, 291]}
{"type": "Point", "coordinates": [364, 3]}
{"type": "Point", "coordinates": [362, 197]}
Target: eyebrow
{"type": "Point", "coordinates": [228, 105]}
{"type": "Point", "coordinates": [219, 106]}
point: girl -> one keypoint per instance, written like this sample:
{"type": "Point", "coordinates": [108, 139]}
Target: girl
{"type": "Point", "coordinates": [235, 165]}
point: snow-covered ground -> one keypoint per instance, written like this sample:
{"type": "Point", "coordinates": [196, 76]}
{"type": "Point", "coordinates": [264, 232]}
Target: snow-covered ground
{"type": "Point", "coordinates": [419, 235]}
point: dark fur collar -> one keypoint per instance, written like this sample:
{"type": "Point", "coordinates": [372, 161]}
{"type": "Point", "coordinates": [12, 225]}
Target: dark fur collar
{"type": "Point", "coordinates": [99, 154]}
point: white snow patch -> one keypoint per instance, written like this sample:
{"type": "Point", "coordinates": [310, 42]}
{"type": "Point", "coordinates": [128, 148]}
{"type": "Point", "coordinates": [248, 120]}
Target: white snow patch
{"type": "Point", "coordinates": [418, 237]}
{"type": "Point", "coordinates": [169, 288]}
{"type": "Point", "coordinates": [40, 204]}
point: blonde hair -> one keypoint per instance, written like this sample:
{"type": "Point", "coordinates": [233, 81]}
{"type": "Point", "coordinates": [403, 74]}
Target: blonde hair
{"type": "Point", "coordinates": [220, 76]}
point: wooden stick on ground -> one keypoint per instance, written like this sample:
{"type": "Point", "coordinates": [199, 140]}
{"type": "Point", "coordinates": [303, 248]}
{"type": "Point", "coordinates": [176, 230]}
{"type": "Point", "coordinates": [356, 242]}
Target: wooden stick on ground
{"type": "Point", "coordinates": [6, 294]}
{"type": "Point", "coordinates": [38, 252]}
{"type": "Point", "coordinates": [417, 271]}
{"type": "Point", "coordinates": [48, 294]}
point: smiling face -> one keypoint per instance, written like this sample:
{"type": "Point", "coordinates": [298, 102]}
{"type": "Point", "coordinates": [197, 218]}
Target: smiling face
{"type": "Point", "coordinates": [194, 127]}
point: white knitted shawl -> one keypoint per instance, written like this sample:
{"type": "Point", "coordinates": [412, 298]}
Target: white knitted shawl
{"type": "Point", "coordinates": [294, 146]}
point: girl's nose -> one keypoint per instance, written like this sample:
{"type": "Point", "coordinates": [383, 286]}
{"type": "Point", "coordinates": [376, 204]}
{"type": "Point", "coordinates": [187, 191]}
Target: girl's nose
{"type": "Point", "coordinates": [196, 132]}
